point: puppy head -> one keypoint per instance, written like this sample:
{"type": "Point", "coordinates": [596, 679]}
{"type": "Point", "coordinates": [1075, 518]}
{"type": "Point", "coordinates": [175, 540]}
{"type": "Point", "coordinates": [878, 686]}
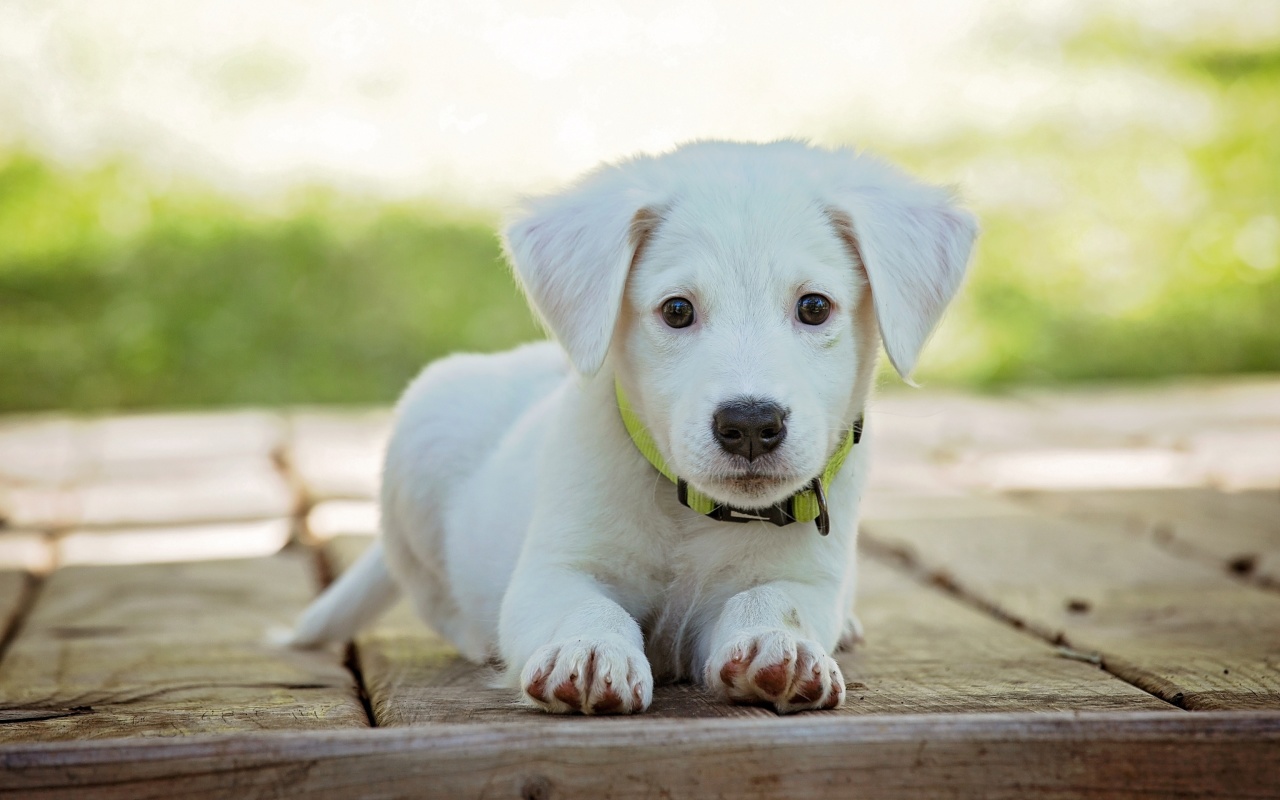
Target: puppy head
{"type": "Point", "coordinates": [739, 293]}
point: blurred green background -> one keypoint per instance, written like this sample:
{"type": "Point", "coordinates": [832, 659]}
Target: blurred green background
{"type": "Point", "coordinates": [1120, 252]}
{"type": "Point", "coordinates": [1137, 255]}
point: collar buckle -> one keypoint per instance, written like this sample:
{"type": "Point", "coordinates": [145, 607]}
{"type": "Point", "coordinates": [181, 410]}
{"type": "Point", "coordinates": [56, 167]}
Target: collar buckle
{"type": "Point", "coordinates": [824, 517]}
{"type": "Point", "coordinates": [779, 513]}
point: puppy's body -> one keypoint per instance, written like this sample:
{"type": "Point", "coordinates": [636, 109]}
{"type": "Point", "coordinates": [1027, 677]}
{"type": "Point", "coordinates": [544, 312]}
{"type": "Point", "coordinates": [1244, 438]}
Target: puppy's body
{"type": "Point", "coordinates": [524, 522]}
{"type": "Point", "coordinates": [461, 461]}
{"type": "Point", "coordinates": [468, 454]}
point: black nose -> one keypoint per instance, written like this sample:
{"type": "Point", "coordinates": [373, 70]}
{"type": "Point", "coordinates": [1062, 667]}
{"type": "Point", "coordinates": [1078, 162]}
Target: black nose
{"type": "Point", "coordinates": [749, 427]}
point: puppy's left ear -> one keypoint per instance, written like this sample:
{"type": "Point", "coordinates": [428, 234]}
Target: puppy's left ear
{"type": "Point", "coordinates": [914, 244]}
{"type": "Point", "coordinates": [572, 252]}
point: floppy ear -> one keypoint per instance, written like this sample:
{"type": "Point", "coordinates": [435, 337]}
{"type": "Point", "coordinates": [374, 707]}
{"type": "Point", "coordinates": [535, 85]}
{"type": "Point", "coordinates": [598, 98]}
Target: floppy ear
{"type": "Point", "coordinates": [571, 253]}
{"type": "Point", "coordinates": [914, 245]}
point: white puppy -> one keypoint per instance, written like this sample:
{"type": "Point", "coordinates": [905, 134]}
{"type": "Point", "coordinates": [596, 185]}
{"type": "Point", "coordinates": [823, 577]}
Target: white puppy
{"type": "Point", "coordinates": [732, 298]}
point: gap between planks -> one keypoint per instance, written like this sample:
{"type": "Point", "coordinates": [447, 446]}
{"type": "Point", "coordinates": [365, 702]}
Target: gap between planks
{"type": "Point", "coordinates": [325, 575]}
{"type": "Point", "coordinates": [21, 609]}
{"type": "Point", "coordinates": [904, 561]}
{"type": "Point", "coordinates": [1173, 627]}
{"type": "Point", "coordinates": [154, 650]}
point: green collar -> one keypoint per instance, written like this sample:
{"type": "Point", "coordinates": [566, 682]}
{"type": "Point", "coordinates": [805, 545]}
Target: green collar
{"type": "Point", "coordinates": [807, 505]}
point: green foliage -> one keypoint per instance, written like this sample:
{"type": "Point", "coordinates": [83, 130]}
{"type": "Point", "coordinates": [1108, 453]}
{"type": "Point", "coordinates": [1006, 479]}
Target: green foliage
{"type": "Point", "coordinates": [1139, 250]}
{"type": "Point", "coordinates": [112, 298]}
{"type": "Point", "coordinates": [1143, 251]}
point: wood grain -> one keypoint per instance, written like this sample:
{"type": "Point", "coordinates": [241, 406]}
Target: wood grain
{"type": "Point", "coordinates": [170, 649]}
{"type": "Point", "coordinates": [996, 756]}
{"type": "Point", "coordinates": [1178, 628]}
{"type": "Point", "coordinates": [1239, 532]}
{"type": "Point", "coordinates": [926, 653]}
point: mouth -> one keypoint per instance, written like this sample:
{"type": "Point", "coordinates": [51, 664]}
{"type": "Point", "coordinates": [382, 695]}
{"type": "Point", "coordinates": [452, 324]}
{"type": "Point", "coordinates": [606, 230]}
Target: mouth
{"type": "Point", "coordinates": [752, 486]}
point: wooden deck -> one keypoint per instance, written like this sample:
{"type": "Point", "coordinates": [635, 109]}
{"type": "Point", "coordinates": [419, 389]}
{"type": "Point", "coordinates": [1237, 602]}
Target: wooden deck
{"type": "Point", "coordinates": [1071, 594]}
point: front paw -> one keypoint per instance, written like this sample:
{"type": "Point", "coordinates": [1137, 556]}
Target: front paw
{"type": "Point", "coordinates": [775, 668]}
{"type": "Point", "coordinates": [588, 677]}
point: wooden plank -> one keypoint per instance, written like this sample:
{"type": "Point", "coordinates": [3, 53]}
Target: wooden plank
{"type": "Point", "coordinates": [31, 551]}
{"type": "Point", "coordinates": [330, 518]}
{"type": "Point", "coordinates": [13, 588]}
{"type": "Point", "coordinates": [938, 422]}
{"type": "Point", "coordinates": [413, 676]}
{"type": "Point", "coordinates": [37, 507]}
{"type": "Point", "coordinates": [170, 649]}
{"type": "Point", "coordinates": [946, 444]}
{"type": "Point", "coordinates": [1177, 628]}
{"type": "Point", "coordinates": [157, 444]}
{"type": "Point", "coordinates": [1161, 413]}
{"type": "Point", "coordinates": [49, 449]}
{"type": "Point", "coordinates": [1239, 532]}
{"type": "Point", "coordinates": [882, 505]}
{"type": "Point", "coordinates": [141, 470]}
{"type": "Point", "coordinates": [1078, 468]}
{"type": "Point", "coordinates": [929, 653]}
{"type": "Point", "coordinates": [243, 490]}
{"type": "Point", "coordinates": [219, 491]}
{"type": "Point", "coordinates": [919, 438]}
{"type": "Point", "coordinates": [169, 543]}
{"type": "Point", "coordinates": [215, 491]}
{"type": "Point", "coordinates": [40, 448]}
{"type": "Point", "coordinates": [1241, 458]}
{"type": "Point", "coordinates": [926, 653]}
{"type": "Point", "coordinates": [338, 455]}
{"type": "Point", "coordinates": [1224, 434]}
{"type": "Point", "coordinates": [994, 756]}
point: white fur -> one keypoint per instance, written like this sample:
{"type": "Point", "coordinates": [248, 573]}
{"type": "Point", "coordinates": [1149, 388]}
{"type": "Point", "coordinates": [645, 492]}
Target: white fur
{"type": "Point", "coordinates": [522, 521]}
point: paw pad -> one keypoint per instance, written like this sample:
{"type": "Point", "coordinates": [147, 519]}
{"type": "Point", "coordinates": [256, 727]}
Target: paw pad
{"type": "Point", "coordinates": [776, 669]}
{"type": "Point", "coordinates": [586, 678]}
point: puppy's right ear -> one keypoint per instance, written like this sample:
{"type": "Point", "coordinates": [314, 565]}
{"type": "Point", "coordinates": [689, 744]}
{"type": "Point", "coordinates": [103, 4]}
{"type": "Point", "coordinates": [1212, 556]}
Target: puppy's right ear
{"type": "Point", "coordinates": [572, 252]}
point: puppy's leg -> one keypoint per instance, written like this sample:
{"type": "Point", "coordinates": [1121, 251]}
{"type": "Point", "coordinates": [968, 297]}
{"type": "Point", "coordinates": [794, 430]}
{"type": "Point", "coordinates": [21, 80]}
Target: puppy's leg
{"type": "Point", "coordinates": [852, 634]}
{"type": "Point", "coordinates": [580, 650]}
{"type": "Point", "coordinates": [764, 649]}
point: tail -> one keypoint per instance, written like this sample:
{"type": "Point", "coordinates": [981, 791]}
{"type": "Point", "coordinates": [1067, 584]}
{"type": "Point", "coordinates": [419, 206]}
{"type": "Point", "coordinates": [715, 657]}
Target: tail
{"type": "Point", "coordinates": [359, 596]}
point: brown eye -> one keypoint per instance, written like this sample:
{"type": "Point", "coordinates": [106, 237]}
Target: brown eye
{"type": "Point", "coordinates": [813, 309]}
{"type": "Point", "coordinates": [678, 312]}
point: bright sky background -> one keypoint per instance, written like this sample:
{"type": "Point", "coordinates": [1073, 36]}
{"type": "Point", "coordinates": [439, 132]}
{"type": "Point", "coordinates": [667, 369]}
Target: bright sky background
{"type": "Point", "coordinates": [476, 100]}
